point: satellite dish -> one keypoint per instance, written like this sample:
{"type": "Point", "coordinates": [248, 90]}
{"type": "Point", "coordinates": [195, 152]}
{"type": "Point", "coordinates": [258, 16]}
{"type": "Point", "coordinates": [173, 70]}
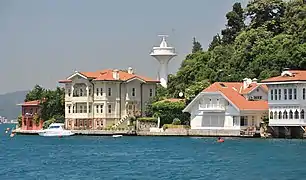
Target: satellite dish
{"type": "Point", "coordinates": [181, 94]}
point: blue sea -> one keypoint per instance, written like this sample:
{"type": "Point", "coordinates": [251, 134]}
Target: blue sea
{"type": "Point", "coordinates": [149, 158]}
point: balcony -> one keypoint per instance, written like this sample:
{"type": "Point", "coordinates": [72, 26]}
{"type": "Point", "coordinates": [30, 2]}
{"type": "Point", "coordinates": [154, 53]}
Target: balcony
{"type": "Point", "coordinates": [211, 107]}
{"type": "Point", "coordinates": [79, 98]}
{"type": "Point", "coordinates": [287, 122]}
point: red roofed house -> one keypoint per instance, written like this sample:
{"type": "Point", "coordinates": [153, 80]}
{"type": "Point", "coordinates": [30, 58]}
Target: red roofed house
{"type": "Point", "coordinates": [230, 107]}
{"type": "Point", "coordinates": [287, 102]}
{"type": "Point", "coordinates": [96, 100]}
{"type": "Point", "coordinates": [30, 111]}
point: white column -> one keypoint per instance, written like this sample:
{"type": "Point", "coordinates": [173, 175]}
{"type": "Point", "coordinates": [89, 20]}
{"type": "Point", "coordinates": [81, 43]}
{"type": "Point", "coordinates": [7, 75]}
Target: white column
{"type": "Point", "coordinates": [163, 73]}
{"type": "Point", "coordinates": [72, 89]}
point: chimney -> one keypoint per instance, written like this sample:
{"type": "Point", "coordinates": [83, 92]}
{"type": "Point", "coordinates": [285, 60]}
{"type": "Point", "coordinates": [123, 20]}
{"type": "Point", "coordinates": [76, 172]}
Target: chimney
{"type": "Point", "coordinates": [246, 83]}
{"type": "Point", "coordinates": [116, 74]}
{"type": "Point", "coordinates": [255, 80]}
{"type": "Point", "coordinates": [130, 70]}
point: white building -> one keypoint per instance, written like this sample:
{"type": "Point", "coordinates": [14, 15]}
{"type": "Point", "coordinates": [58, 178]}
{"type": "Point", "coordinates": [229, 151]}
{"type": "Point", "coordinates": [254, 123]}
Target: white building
{"type": "Point", "coordinates": [287, 99]}
{"type": "Point", "coordinates": [95, 100]}
{"type": "Point", "coordinates": [163, 54]}
{"type": "Point", "coordinates": [229, 106]}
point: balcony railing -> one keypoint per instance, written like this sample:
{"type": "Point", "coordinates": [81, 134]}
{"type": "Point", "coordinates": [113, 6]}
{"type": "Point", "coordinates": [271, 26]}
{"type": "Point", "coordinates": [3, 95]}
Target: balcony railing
{"type": "Point", "coordinates": [211, 107]}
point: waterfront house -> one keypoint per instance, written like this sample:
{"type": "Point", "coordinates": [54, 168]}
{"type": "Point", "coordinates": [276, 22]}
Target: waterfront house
{"type": "Point", "coordinates": [232, 108]}
{"type": "Point", "coordinates": [107, 98]}
{"type": "Point", "coordinates": [287, 102]}
{"type": "Point", "coordinates": [31, 115]}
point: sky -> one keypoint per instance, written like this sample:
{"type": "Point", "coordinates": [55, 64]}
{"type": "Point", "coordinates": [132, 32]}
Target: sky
{"type": "Point", "coordinates": [42, 42]}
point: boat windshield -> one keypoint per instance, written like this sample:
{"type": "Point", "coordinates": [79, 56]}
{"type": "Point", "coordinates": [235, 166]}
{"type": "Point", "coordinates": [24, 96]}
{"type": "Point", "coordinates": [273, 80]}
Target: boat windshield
{"type": "Point", "coordinates": [54, 127]}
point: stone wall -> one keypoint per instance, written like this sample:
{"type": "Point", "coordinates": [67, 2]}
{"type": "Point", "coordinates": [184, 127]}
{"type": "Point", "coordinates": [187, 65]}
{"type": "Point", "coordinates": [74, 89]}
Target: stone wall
{"type": "Point", "coordinates": [145, 125]}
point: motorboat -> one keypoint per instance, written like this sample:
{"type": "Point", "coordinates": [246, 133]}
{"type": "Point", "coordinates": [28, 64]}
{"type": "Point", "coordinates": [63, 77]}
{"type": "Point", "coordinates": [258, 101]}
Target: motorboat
{"type": "Point", "coordinates": [56, 129]}
{"type": "Point", "coordinates": [117, 135]}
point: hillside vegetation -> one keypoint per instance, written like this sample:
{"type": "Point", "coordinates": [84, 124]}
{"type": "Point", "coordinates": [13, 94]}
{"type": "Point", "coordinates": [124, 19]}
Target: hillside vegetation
{"type": "Point", "coordinates": [259, 41]}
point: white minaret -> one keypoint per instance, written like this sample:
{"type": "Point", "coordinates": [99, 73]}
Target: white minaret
{"type": "Point", "coordinates": [163, 54]}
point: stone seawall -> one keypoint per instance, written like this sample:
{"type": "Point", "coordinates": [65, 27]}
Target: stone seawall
{"type": "Point", "coordinates": [191, 132]}
{"type": "Point", "coordinates": [167, 132]}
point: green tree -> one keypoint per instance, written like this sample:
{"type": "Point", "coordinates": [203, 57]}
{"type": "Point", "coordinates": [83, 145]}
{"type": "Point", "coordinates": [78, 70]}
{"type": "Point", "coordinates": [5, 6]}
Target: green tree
{"type": "Point", "coordinates": [52, 102]}
{"type": "Point", "coordinates": [235, 23]}
{"type": "Point", "coordinates": [197, 47]}
{"type": "Point", "coordinates": [168, 111]}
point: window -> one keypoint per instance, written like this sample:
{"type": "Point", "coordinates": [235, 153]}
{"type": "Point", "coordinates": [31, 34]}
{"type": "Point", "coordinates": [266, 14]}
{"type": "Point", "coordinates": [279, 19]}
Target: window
{"type": "Point", "coordinates": [81, 109]}
{"type": "Point", "coordinates": [85, 109]}
{"type": "Point", "coordinates": [97, 108]}
{"type": "Point", "coordinates": [101, 91]}
{"type": "Point", "coordinates": [280, 115]}
{"type": "Point", "coordinates": [89, 92]}
{"type": "Point", "coordinates": [31, 111]}
{"type": "Point", "coordinates": [271, 94]}
{"type": "Point", "coordinates": [97, 91]}
{"type": "Point", "coordinates": [279, 94]}
{"type": "Point", "coordinates": [73, 109]}
{"type": "Point", "coordinates": [101, 108]}
{"type": "Point", "coordinates": [133, 92]}
{"type": "Point", "coordinates": [109, 108]}
{"type": "Point", "coordinates": [69, 109]}
{"type": "Point", "coordinates": [285, 115]}
{"type": "Point", "coordinates": [302, 114]}
{"type": "Point", "coordinates": [290, 94]}
{"type": "Point", "coordinates": [31, 123]}
{"type": "Point", "coordinates": [285, 94]}
{"type": "Point", "coordinates": [243, 120]}
{"type": "Point", "coordinates": [151, 92]}
{"type": "Point", "coordinates": [271, 115]}
{"type": "Point", "coordinates": [89, 109]}
{"type": "Point", "coordinates": [81, 92]}
{"type": "Point", "coordinates": [294, 93]}
{"type": "Point", "coordinates": [109, 91]}
{"type": "Point", "coordinates": [275, 115]}
{"type": "Point", "coordinates": [253, 120]}
{"type": "Point", "coordinates": [257, 97]}
{"type": "Point", "coordinates": [275, 94]}
{"type": "Point", "coordinates": [304, 91]}
{"type": "Point", "coordinates": [69, 92]}
{"type": "Point", "coordinates": [290, 114]}
{"type": "Point", "coordinates": [296, 114]}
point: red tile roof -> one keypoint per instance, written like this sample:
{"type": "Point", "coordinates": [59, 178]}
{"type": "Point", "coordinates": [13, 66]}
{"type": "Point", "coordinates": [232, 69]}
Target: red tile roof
{"type": "Point", "coordinates": [293, 75]}
{"type": "Point", "coordinates": [31, 103]}
{"type": "Point", "coordinates": [107, 75]}
{"type": "Point", "coordinates": [234, 92]}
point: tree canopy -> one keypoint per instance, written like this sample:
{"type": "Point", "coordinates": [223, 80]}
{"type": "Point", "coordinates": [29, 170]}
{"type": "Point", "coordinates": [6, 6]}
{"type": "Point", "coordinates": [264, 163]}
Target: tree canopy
{"type": "Point", "coordinates": [52, 102]}
{"type": "Point", "coordinates": [259, 41]}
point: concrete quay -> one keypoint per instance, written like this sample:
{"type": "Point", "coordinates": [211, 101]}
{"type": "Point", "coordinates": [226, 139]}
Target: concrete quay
{"type": "Point", "coordinates": [167, 132]}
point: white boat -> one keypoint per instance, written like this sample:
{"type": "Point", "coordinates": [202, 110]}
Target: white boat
{"type": "Point", "coordinates": [116, 136]}
{"type": "Point", "coordinates": [56, 129]}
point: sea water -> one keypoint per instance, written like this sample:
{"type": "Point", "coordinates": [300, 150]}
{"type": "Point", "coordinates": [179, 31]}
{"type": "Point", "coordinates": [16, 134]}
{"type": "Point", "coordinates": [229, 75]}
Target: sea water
{"type": "Point", "coordinates": [149, 158]}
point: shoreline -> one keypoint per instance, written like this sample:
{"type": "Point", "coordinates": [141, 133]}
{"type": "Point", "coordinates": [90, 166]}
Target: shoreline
{"type": "Point", "coordinates": [135, 133]}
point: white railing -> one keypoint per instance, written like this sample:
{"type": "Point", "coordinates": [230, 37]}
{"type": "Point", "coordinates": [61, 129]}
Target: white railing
{"type": "Point", "coordinates": [287, 122]}
{"type": "Point", "coordinates": [212, 106]}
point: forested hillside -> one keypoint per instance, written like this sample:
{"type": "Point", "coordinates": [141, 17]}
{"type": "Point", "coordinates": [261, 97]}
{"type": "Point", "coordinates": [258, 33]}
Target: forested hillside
{"type": "Point", "coordinates": [259, 41]}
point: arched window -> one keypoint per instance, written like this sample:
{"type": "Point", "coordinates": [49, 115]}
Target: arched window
{"type": "Point", "coordinates": [290, 114]}
{"type": "Point", "coordinates": [279, 115]}
{"type": "Point", "coordinates": [302, 114]}
{"type": "Point", "coordinates": [275, 115]}
{"type": "Point", "coordinates": [285, 115]}
{"type": "Point", "coordinates": [271, 115]}
{"type": "Point", "coordinates": [296, 114]}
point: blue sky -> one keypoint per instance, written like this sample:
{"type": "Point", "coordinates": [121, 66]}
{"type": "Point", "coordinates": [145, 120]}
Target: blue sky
{"type": "Point", "coordinates": [44, 41]}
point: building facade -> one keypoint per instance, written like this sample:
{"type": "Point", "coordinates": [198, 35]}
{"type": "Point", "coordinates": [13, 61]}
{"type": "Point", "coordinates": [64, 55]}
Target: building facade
{"type": "Point", "coordinates": [229, 106]}
{"type": "Point", "coordinates": [31, 116]}
{"type": "Point", "coordinates": [287, 101]}
{"type": "Point", "coordinates": [96, 100]}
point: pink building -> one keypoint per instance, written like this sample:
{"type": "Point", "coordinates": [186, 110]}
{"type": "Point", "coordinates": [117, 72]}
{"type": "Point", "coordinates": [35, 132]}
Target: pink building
{"type": "Point", "coordinates": [31, 112]}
